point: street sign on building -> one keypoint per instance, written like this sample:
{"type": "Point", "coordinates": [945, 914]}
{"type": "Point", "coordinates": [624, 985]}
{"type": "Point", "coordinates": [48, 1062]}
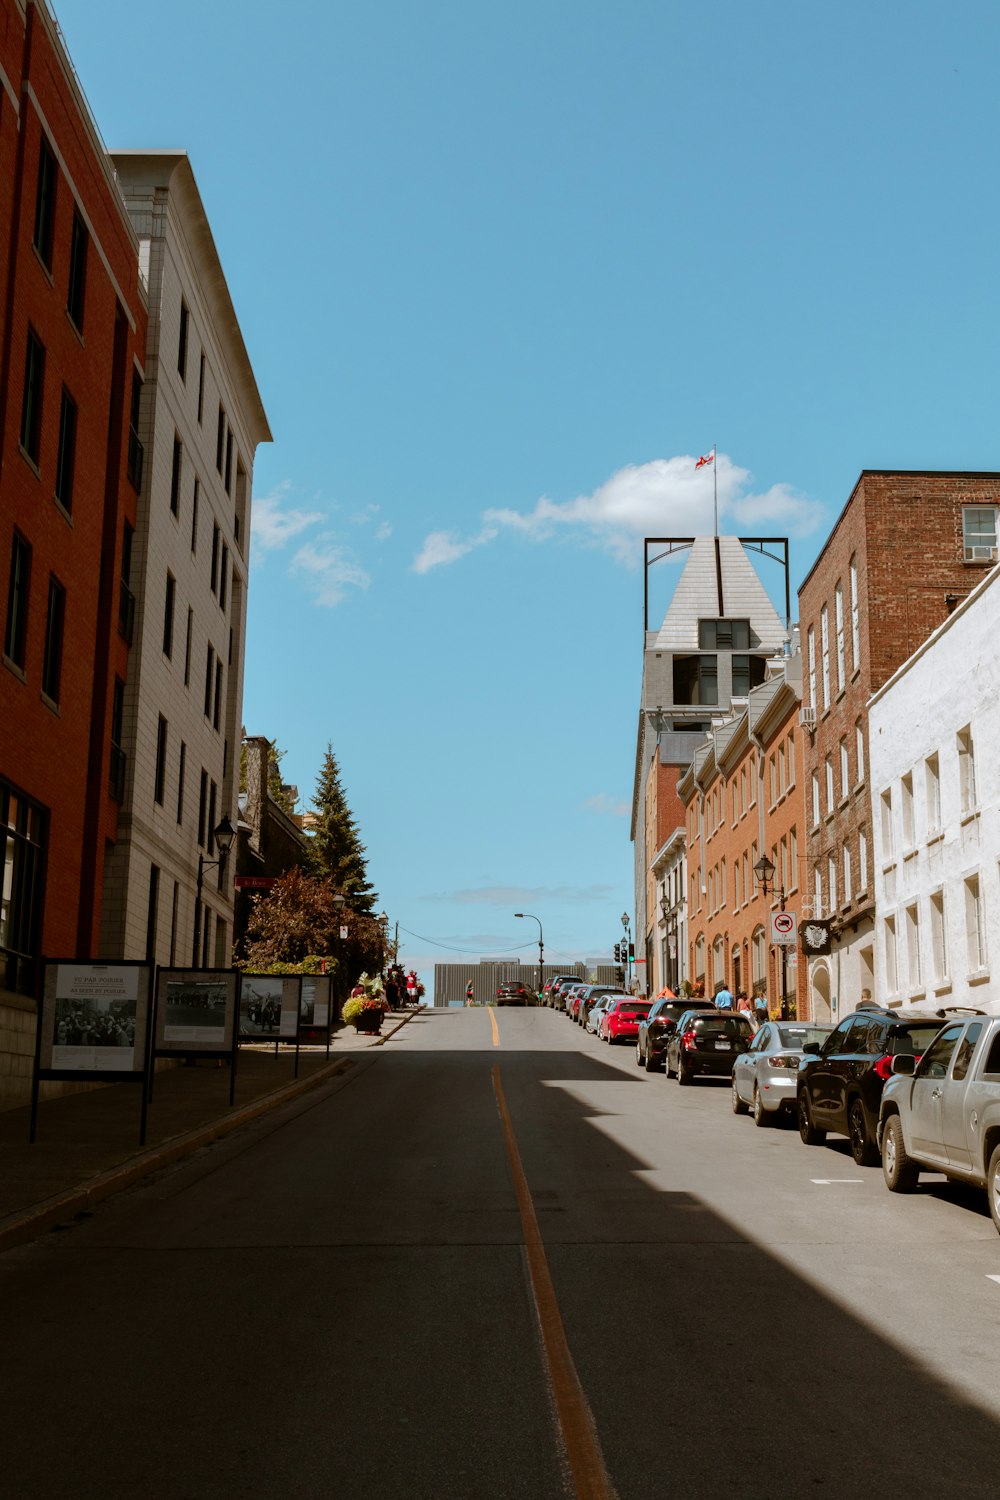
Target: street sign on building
{"type": "Point", "coordinates": [784, 927]}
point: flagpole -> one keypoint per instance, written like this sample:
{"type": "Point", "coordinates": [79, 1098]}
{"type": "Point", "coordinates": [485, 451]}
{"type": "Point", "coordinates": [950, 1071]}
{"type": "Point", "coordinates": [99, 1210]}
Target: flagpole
{"type": "Point", "coordinates": [715, 484]}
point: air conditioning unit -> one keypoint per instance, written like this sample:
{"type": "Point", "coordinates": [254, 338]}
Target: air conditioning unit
{"type": "Point", "coordinates": [807, 716]}
{"type": "Point", "coordinates": [980, 554]}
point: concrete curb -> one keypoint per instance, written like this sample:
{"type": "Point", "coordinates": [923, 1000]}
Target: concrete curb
{"type": "Point", "coordinates": [381, 1041]}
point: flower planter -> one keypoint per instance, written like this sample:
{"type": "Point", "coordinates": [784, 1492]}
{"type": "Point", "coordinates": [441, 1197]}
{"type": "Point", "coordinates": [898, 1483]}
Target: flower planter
{"type": "Point", "coordinates": [369, 1021]}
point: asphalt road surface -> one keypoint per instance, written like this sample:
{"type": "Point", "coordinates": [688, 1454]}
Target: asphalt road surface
{"type": "Point", "coordinates": [506, 1265]}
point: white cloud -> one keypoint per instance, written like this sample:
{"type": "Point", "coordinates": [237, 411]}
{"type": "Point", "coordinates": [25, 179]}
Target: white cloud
{"type": "Point", "coordinates": [602, 803]}
{"type": "Point", "coordinates": [384, 532]}
{"type": "Point", "coordinates": [273, 524]}
{"type": "Point", "coordinates": [329, 571]}
{"type": "Point", "coordinates": [665, 496]}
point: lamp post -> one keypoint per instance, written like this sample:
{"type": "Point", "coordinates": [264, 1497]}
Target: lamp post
{"type": "Point", "coordinates": [764, 871]}
{"type": "Point", "coordinates": [383, 921]}
{"type": "Point", "coordinates": [223, 834]}
{"type": "Point", "coordinates": [541, 949]}
{"type": "Point", "coordinates": [665, 977]}
{"type": "Point", "coordinates": [628, 961]}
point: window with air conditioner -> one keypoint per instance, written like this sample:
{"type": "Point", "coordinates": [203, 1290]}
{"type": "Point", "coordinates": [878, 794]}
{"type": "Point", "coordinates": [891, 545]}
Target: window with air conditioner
{"type": "Point", "coordinates": [979, 533]}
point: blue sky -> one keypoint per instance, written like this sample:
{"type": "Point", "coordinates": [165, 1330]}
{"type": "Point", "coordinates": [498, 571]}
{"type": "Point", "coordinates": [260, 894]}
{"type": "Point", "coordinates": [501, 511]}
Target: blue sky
{"type": "Point", "coordinates": [503, 273]}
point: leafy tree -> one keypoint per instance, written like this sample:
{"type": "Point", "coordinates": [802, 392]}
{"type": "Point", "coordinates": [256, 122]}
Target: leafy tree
{"type": "Point", "coordinates": [299, 921]}
{"type": "Point", "coordinates": [338, 853]}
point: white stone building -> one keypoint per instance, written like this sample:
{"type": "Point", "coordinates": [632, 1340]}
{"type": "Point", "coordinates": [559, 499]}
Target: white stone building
{"type": "Point", "coordinates": [935, 776]}
{"type": "Point", "coordinates": [198, 415]}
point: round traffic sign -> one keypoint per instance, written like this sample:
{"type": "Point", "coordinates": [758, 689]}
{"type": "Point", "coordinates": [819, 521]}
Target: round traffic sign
{"type": "Point", "coordinates": [784, 921]}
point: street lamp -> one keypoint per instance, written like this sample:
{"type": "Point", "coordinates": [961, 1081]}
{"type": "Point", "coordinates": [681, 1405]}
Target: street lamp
{"type": "Point", "coordinates": [223, 835]}
{"type": "Point", "coordinates": [541, 949]}
{"type": "Point", "coordinates": [764, 871]}
{"type": "Point", "coordinates": [628, 964]}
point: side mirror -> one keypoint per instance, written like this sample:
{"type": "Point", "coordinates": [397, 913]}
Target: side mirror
{"type": "Point", "coordinates": [904, 1065]}
{"type": "Point", "coordinates": [812, 1048]}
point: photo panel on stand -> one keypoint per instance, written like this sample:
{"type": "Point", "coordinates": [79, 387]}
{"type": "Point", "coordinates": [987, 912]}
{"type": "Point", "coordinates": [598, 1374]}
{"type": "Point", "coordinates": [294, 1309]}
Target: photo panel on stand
{"type": "Point", "coordinates": [196, 1010]}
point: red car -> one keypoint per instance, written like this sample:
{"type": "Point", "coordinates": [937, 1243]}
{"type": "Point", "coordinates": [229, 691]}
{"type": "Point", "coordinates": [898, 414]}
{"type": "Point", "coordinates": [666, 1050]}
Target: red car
{"type": "Point", "coordinates": [621, 1022]}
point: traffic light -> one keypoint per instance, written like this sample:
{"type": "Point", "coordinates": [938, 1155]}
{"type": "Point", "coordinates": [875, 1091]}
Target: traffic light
{"type": "Point", "coordinates": [620, 977]}
{"type": "Point", "coordinates": [631, 953]}
{"type": "Point", "coordinates": [618, 953]}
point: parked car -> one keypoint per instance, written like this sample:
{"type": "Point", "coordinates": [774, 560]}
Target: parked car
{"type": "Point", "coordinates": [569, 993]}
{"type": "Point", "coordinates": [655, 1029]}
{"type": "Point", "coordinates": [513, 992]}
{"type": "Point", "coordinates": [942, 1114]}
{"type": "Point", "coordinates": [765, 1076]}
{"type": "Point", "coordinates": [620, 1020]}
{"type": "Point", "coordinates": [592, 994]}
{"type": "Point", "coordinates": [554, 986]}
{"type": "Point", "coordinates": [596, 1011]}
{"type": "Point", "coordinates": [706, 1041]}
{"type": "Point", "coordinates": [578, 999]}
{"type": "Point", "coordinates": [840, 1081]}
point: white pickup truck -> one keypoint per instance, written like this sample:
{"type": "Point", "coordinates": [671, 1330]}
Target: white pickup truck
{"type": "Point", "coordinates": [942, 1114]}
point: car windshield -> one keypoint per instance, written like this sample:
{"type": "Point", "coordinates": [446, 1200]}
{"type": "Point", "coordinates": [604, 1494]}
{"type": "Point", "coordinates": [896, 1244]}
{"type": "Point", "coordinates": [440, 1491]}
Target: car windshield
{"type": "Point", "coordinates": [797, 1036]}
{"type": "Point", "coordinates": [915, 1039]}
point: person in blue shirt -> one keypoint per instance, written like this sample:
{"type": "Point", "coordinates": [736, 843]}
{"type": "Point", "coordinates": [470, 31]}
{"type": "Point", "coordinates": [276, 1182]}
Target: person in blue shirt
{"type": "Point", "coordinates": [723, 998]}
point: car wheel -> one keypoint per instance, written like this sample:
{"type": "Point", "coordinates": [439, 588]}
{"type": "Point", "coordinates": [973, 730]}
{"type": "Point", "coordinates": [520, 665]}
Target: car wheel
{"type": "Point", "coordinates": [639, 1059]}
{"type": "Point", "coordinates": [683, 1073]}
{"type": "Point", "coordinates": [808, 1134]}
{"type": "Point", "coordinates": [668, 1070]}
{"type": "Point", "coordinates": [993, 1186]}
{"type": "Point", "coordinates": [739, 1108]}
{"type": "Point", "coordinates": [652, 1061]}
{"type": "Point", "coordinates": [898, 1169]}
{"type": "Point", "coordinates": [760, 1114]}
{"type": "Point", "coordinates": [863, 1148]}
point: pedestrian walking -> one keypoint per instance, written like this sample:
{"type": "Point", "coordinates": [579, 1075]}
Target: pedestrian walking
{"type": "Point", "coordinates": [760, 1008]}
{"type": "Point", "coordinates": [723, 998]}
{"type": "Point", "coordinates": [470, 998]}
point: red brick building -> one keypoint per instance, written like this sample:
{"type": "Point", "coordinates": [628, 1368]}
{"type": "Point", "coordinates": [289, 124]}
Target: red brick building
{"type": "Point", "coordinates": [72, 336]}
{"type": "Point", "coordinates": [905, 549]}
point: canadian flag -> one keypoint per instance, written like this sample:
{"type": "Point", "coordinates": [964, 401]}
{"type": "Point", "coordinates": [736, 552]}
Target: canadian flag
{"type": "Point", "coordinates": [706, 458]}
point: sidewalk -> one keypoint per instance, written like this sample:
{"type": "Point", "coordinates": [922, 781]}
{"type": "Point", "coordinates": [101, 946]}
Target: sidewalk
{"type": "Point", "coordinates": [87, 1144]}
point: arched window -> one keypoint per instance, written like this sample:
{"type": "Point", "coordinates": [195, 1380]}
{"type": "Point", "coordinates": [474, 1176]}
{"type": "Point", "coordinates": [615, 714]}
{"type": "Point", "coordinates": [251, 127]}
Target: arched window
{"type": "Point", "coordinates": [759, 955]}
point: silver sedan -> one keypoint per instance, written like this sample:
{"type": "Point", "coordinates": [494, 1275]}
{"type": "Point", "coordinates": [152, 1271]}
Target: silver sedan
{"type": "Point", "coordinates": [596, 1011]}
{"type": "Point", "coordinates": [764, 1076]}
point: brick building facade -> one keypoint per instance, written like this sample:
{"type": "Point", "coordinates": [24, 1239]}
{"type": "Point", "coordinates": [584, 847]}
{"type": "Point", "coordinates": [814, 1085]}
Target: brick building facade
{"type": "Point", "coordinates": [907, 547]}
{"type": "Point", "coordinates": [73, 324]}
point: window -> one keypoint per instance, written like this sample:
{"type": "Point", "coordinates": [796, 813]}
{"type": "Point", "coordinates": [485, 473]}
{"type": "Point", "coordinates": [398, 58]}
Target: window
{"type": "Point", "coordinates": [721, 635]}
{"type": "Point", "coordinates": [743, 791]}
{"type": "Point", "coordinates": [967, 769]}
{"type": "Point", "coordinates": [815, 797]}
{"type": "Point", "coordinates": [77, 289]}
{"type": "Point", "coordinates": [737, 886]}
{"type": "Point", "coordinates": [830, 799]}
{"type": "Point", "coordinates": [793, 859]}
{"type": "Point", "coordinates": [215, 558]}
{"type": "Point", "coordinates": [31, 400]}
{"type": "Point", "coordinates": [54, 625]}
{"type": "Point", "coordinates": [201, 388]}
{"type": "Point", "coordinates": [23, 839]}
{"type": "Point", "coordinates": [175, 476]}
{"type": "Point", "coordinates": [783, 864]}
{"type": "Point", "coordinates": [228, 480]}
{"type": "Point", "coordinates": [16, 632]}
{"type": "Point", "coordinates": [847, 873]}
{"type": "Point", "coordinates": [748, 672]}
{"type": "Point", "coordinates": [862, 860]}
{"type": "Point", "coordinates": [45, 203]}
{"type": "Point", "coordinates": [913, 946]}
{"type": "Point", "coordinates": [126, 599]}
{"type": "Point", "coordinates": [791, 761]}
{"type": "Point", "coordinates": [838, 617]}
{"type": "Point", "coordinates": [824, 628]}
{"type": "Point", "coordinates": [194, 519]}
{"type": "Point", "coordinates": [831, 877]}
{"type": "Point", "coordinates": [213, 792]}
{"type": "Point", "coordinates": [152, 911]}
{"type": "Point", "coordinates": [168, 616]}
{"type": "Point", "coordinates": [889, 941]}
{"type": "Point", "coordinates": [758, 956]}
{"type": "Point", "coordinates": [855, 627]}
{"type": "Point", "coordinates": [979, 533]}
{"type": "Point", "coordinates": [217, 701]}
{"type": "Point", "coordinates": [187, 648]}
{"type": "Point", "coordinates": [202, 807]}
{"type": "Point", "coordinates": [696, 680]}
{"type": "Point", "coordinates": [939, 937]}
{"type": "Point", "coordinates": [932, 783]}
{"type": "Point", "coordinates": [116, 769]}
{"type": "Point", "coordinates": [223, 577]}
{"type": "Point", "coordinates": [811, 640]}
{"type": "Point", "coordinates": [135, 449]}
{"type": "Point", "coordinates": [975, 931]}
{"type": "Point", "coordinates": [887, 842]}
{"type": "Point", "coordinates": [906, 809]}
{"type": "Point", "coordinates": [746, 878]}
{"type": "Point", "coordinates": [209, 678]}
{"type": "Point", "coordinates": [182, 341]}
{"type": "Point", "coordinates": [181, 764]}
{"type": "Point", "coordinates": [161, 759]}
{"type": "Point", "coordinates": [772, 772]}
{"type": "Point", "coordinates": [845, 771]}
{"type": "Point", "coordinates": [963, 1054]}
{"type": "Point", "coordinates": [66, 457]}
{"type": "Point", "coordinates": [859, 750]}
{"type": "Point", "coordinates": [817, 891]}
{"type": "Point", "coordinates": [220, 439]}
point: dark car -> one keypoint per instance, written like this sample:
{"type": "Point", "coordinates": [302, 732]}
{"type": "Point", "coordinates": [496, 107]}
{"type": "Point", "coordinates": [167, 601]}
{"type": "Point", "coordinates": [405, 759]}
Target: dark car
{"type": "Point", "coordinates": [513, 992]}
{"type": "Point", "coordinates": [707, 1041]}
{"type": "Point", "coordinates": [589, 999]}
{"type": "Point", "coordinates": [840, 1082]}
{"type": "Point", "coordinates": [655, 1029]}
{"type": "Point", "coordinates": [555, 984]}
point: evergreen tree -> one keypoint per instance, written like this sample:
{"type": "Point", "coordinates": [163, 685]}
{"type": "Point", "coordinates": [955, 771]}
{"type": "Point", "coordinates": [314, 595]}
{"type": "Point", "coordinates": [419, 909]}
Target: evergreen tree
{"type": "Point", "coordinates": [338, 853]}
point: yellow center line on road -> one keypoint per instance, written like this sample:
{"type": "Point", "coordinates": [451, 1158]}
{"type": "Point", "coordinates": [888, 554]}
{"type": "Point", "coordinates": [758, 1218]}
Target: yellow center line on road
{"type": "Point", "coordinates": [493, 1023]}
{"type": "Point", "coordinates": [576, 1420]}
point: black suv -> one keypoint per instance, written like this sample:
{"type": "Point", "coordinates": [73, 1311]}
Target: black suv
{"type": "Point", "coordinates": [513, 992]}
{"type": "Point", "coordinates": [655, 1029]}
{"type": "Point", "coordinates": [841, 1080]}
{"type": "Point", "coordinates": [706, 1041]}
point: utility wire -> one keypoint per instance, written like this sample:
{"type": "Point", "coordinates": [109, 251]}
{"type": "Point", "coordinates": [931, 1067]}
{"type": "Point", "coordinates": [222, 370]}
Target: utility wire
{"type": "Point", "coordinates": [452, 949]}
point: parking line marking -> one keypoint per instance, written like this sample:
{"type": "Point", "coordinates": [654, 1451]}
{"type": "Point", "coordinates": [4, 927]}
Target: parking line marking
{"type": "Point", "coordinates": [576, 1420]}
{"type": "Point", "coordinates": [493, 1023]}
{"type": "Point", "coordinates": [829, 1181]}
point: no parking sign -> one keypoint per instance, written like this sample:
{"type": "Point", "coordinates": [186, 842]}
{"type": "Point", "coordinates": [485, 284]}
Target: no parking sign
{"type": "Point", "coordinates": [784, 927]}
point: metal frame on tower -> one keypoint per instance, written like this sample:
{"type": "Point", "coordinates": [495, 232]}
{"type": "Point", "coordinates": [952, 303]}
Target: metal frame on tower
{"type": "Point", "coordinates": [675, 544]}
